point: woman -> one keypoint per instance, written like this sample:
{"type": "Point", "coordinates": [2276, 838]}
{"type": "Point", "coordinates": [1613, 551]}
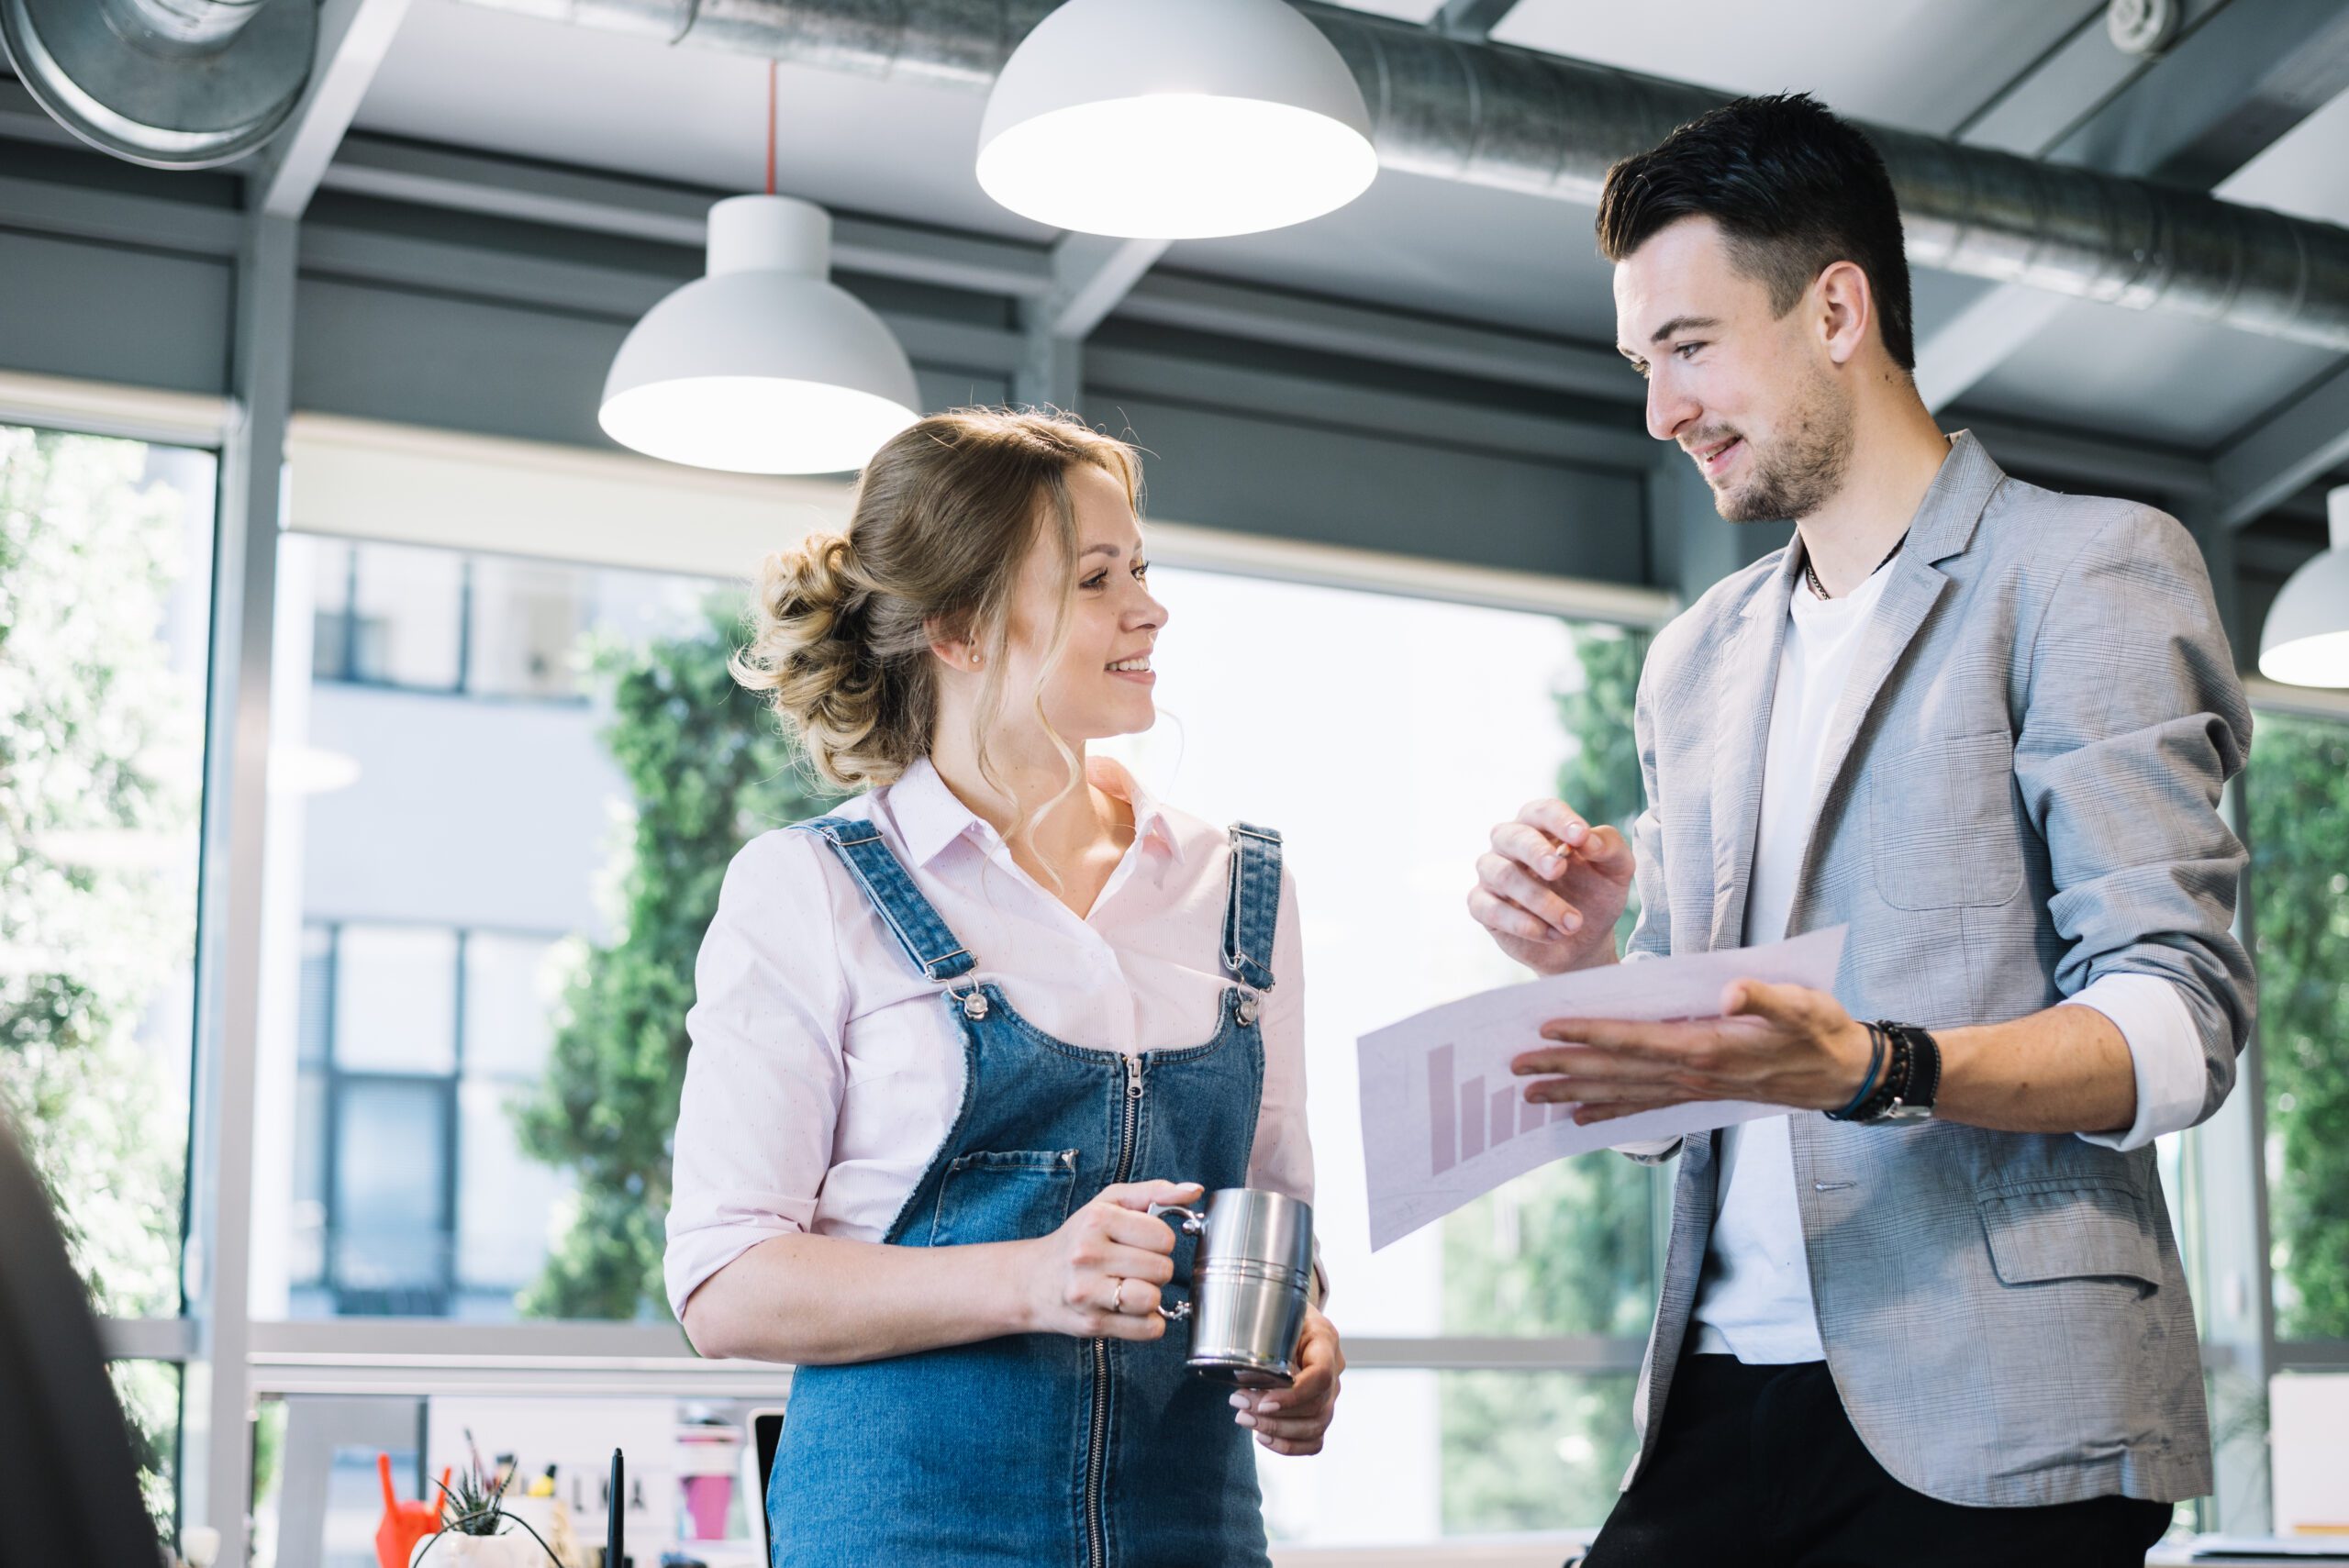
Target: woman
{"type": "Point", "coordinates": [953, 1041]}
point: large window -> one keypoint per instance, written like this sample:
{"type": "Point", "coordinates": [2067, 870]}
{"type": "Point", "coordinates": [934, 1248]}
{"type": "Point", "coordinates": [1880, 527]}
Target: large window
{"type": "Point", "coordinates": [2297, 791]}
{"type": "Point", "coordinates": [105, 549]}
{"type": "Point", "coordinates": [458, 883]}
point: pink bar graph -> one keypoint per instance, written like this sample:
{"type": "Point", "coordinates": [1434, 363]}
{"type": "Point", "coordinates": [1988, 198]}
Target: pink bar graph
{"type": "Point", "coordinates": [1465, 1118]}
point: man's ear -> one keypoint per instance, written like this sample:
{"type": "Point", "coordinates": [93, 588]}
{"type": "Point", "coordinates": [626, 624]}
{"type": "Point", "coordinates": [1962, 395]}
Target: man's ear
{"type": "Point", "coordinates": [1844, 308]}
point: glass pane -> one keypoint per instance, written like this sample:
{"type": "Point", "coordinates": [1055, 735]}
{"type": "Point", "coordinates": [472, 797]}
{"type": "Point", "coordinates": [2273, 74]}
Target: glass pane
{"type": "Point", "coordinates": [407, 616]}
{"type": "Point", "coordinates": [2297, 794]}
{"type": "Point", "coordinates": [475, 926]}
{"type": "Point", "coordinates": [1420, 1456]}
{"type": "Point", "coordinates": [512, 985]}
{"type": "Point", "coordinates": [1565, 1250]}
{"type": "Point", "coordinates": [150, 1392]}
{"type": "Point", "coordinates": [396, 999]}
{"type": "Point", "coordinates": [389, 1204]}
{"type": "Point", "coordinates": [105, 619]}
{"type": "Point", "coordinates": [523, 628]}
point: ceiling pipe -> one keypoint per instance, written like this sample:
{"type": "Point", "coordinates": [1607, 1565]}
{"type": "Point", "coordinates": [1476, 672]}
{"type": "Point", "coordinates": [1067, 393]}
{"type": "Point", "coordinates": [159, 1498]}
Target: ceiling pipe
{"type": "Point", "coordinates": [172, 83]}
{"type": "Point", "coordinates": [1511, 119]}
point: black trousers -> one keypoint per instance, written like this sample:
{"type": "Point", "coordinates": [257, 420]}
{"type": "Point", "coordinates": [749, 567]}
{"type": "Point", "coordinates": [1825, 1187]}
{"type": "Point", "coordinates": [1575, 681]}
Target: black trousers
{"type": "Point", "coordinates": [1758, 1465]}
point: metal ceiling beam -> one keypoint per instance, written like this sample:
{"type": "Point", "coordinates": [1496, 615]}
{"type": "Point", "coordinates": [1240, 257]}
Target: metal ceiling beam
{"type": "Point", "coordinates": [353, 38]}
{"type": "Point", "coordinates": [2241, 76]}
{"type": "Point", "coordinates": [2288, 452]}
{"type": "Point", "coordinates": [1091, 273]}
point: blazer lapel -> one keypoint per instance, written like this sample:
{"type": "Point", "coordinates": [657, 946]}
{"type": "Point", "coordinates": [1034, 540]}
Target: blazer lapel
{"type": "Point", "coordinates": [1749, 681]}
{"type": "Point", "coordinates": [1942, 527]}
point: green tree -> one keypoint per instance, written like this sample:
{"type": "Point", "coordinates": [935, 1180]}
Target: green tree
{"type": "Point", "coordinates": [1567, 1248]}
{"type": "Point", "coordinates": [99, 761]}
{"type": "Point", "coordinates": [2298, 796]}
{"type": "Point", "coordinates": [709, 769]}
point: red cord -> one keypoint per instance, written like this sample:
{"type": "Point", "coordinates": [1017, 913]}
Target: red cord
{"type": "Point", "coordinates": [771, 74]}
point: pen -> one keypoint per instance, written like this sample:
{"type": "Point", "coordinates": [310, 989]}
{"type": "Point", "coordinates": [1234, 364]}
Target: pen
{"type": "Point", "coordinates": [614, 1527]}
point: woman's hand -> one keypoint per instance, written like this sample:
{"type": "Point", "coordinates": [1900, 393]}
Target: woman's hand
{"type": "Point", "coordinates": [1097, 1277]}
{"type": "Point", "coordinates": [1293, 1419]}
{"type": "Point", "coordinates": [1550, 888]}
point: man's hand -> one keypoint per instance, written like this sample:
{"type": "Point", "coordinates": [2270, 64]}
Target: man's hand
{"type": "Point", "coordinates": [1550, 888]}
{"type": "Point", "coordinates": [1780, 1045]}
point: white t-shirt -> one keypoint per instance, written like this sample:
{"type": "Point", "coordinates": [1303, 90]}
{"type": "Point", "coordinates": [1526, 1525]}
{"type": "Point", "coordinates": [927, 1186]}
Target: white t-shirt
{"type": "Point", "coordinates": [1754, 1299]}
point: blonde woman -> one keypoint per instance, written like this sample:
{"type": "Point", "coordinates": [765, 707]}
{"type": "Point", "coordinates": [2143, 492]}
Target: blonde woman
{"type": "Point", "coordinates": [951, 1043]}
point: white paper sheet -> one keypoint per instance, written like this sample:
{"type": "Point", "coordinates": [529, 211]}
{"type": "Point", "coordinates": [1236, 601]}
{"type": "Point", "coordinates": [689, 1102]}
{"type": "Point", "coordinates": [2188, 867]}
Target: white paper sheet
{"type": "Point", "coordinates": [1443, 1120]}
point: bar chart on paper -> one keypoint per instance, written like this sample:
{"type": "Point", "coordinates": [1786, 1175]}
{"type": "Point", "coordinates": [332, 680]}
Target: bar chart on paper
{"type": "Point", "coordinates": [1465, 1118]}
{"type": "Point", "coordinates": [1445, 1120]}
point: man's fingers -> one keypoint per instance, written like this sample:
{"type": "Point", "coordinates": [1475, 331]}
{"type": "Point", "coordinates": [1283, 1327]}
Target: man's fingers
{"type": "Point", "coordinates": [1504, 919]}
{"type": "Point", "coordinates": [1609, 852]}
{"type": "Point", "coordinates": [1758, 998]}
{"type": "Point", "coordinates": [1556, 819]}
{"type": "Point", "coordinates": [1507, 879]}
{"type": "Point", "coordinates": [1530, 848]}
{"type": "Point", "coordinates": [1584, 1062]}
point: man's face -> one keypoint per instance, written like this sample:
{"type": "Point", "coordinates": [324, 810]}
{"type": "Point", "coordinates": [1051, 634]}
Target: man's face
{"type": "Point", "coordinates": [1747, 394]}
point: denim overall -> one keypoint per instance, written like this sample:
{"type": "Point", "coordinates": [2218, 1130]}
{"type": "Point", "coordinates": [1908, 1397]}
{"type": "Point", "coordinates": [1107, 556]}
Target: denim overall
{"type": "Point", "coordinates": [1040, 1449]}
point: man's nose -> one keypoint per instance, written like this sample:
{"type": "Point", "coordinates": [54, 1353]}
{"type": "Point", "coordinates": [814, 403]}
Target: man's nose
{"type": "Point", "coordinates": [1669, 409]}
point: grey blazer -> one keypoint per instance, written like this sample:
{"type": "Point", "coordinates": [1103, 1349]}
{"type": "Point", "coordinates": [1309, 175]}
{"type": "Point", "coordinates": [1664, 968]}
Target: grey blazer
{"type": "Point", "coordinates": [2019, 794]}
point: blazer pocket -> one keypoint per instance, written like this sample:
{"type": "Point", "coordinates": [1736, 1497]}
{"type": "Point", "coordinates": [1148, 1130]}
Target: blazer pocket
{"type": "Point", "coordinates": [1943, 830]}
{"type": "Point", "coordinates": [2070, 1227]}
{"type": "Point", "coordinates": [1014, 1196]}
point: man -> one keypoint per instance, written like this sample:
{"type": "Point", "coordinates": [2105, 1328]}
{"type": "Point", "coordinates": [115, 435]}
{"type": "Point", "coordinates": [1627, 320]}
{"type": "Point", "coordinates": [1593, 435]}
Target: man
{"type": "Point", "coordinates": [1935, 1313]}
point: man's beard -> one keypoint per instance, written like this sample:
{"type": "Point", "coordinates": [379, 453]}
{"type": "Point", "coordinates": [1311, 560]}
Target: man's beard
{"type": "Point", "coordinates": [1802, 471]}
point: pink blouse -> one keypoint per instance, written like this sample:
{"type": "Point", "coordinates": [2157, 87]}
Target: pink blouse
{"type": "Point", "coordinates": [825, 1072]}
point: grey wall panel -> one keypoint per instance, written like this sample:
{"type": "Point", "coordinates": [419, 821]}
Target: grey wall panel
{"type": "Point", "coordinates": [1299, 481]}
{"type": "Point", "coordinates": [453, 364]}
{"type": "Point", "coordinates": [468, 364]}
{"type": "Point", "coordinates": [111, 312]}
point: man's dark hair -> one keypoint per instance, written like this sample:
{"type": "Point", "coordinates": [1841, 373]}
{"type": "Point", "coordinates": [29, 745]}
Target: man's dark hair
{"type": "Point", "coordinates": [1794, 189]}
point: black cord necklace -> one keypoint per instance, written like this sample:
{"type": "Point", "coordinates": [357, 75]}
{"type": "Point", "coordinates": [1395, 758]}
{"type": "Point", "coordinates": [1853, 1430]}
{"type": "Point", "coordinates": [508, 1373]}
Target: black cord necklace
{"type": "Point", "coordinates": [1810, 573]}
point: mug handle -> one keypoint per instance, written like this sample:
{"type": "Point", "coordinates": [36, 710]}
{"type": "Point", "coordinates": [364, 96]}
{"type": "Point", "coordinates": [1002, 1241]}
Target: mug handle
{"type": "Point", "coordinates": [1194, 1223]}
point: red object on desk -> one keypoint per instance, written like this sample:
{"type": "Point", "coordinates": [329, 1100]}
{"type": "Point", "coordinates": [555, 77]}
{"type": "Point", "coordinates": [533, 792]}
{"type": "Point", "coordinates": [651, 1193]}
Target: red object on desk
{"type": "Point", "coordinates": [405, 1523]}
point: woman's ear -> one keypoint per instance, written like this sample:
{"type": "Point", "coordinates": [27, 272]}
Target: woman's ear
{"type": "Point", "coordinates": [956, 650]}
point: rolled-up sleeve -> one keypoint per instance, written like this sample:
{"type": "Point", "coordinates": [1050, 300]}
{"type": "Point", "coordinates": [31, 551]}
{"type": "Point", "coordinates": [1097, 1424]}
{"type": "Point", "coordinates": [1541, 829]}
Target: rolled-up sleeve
{"type": "Point", "coordinates": [765, 1072]}
{"type": "Point", "coordinates": [2133, 720]}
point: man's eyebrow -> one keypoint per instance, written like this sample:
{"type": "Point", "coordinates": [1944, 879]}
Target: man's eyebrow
{"type": "Point", "coordinates": [1680, 324]}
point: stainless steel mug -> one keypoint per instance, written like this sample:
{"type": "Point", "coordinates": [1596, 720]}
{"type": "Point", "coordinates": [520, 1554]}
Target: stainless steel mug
{"type": "Point", "coordinates": [1249, 1284]}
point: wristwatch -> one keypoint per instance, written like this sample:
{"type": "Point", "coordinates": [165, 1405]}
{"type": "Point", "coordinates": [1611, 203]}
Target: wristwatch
{"type": "Point", "coordinates": [1916, 1077]}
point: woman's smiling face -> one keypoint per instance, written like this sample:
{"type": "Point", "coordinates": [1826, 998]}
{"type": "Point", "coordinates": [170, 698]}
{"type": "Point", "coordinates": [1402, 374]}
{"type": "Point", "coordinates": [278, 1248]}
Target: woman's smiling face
{"type": "Point", "coordinates": [1100, 683]}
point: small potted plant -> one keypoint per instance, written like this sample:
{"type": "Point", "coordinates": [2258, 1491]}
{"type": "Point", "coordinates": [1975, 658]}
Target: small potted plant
{"type": "Point", "coordinates": [475, 1529]}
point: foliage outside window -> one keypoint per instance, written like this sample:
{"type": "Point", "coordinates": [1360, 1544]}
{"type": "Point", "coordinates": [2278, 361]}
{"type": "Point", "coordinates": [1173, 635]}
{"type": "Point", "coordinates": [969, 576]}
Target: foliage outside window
{"type": "Point", "coordinates": [100, 759]}
{"type": "Point", "coordinates": [2297, 789]}
{"type": "Point", "coordinates": [709, 770]}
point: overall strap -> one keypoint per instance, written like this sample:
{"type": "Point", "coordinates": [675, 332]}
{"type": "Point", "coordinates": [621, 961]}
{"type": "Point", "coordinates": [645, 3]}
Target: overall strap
{"type": "Point", "coordinates": [1254, 906]}
{"type": "Point", "coordinates": [934, 948]}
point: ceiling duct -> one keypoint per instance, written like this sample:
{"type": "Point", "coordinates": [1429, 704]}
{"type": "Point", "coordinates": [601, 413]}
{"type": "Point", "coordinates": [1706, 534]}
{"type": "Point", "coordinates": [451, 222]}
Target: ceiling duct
{"type": "Point", "coordinates": [1488, 115]}
{"type": "Point", "coordinates": [174, 84]}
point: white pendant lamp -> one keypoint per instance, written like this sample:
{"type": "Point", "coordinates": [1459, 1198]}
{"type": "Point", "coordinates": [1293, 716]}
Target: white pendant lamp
{"type": "Point", "coordinates": [1175, 119]}
{"type": "Point", "coordinates": [764, 366]}
{"type": "Point", "coordinates": [2306, 640]}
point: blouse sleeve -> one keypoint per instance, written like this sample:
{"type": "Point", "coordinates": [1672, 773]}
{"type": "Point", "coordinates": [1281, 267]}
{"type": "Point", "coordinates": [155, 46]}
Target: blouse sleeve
{"type": "Point", "coordinates": [766, 1070]}
{"type": "Point", "coordinates": [1283, 1158]}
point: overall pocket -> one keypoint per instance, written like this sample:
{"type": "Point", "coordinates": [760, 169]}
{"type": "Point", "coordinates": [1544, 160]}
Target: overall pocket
{"type": "Point", "coordinates": [1015, 1195]}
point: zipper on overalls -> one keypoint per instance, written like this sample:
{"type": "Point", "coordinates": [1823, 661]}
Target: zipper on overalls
{"type": "Point", "coordinates": [1098, 1460]}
